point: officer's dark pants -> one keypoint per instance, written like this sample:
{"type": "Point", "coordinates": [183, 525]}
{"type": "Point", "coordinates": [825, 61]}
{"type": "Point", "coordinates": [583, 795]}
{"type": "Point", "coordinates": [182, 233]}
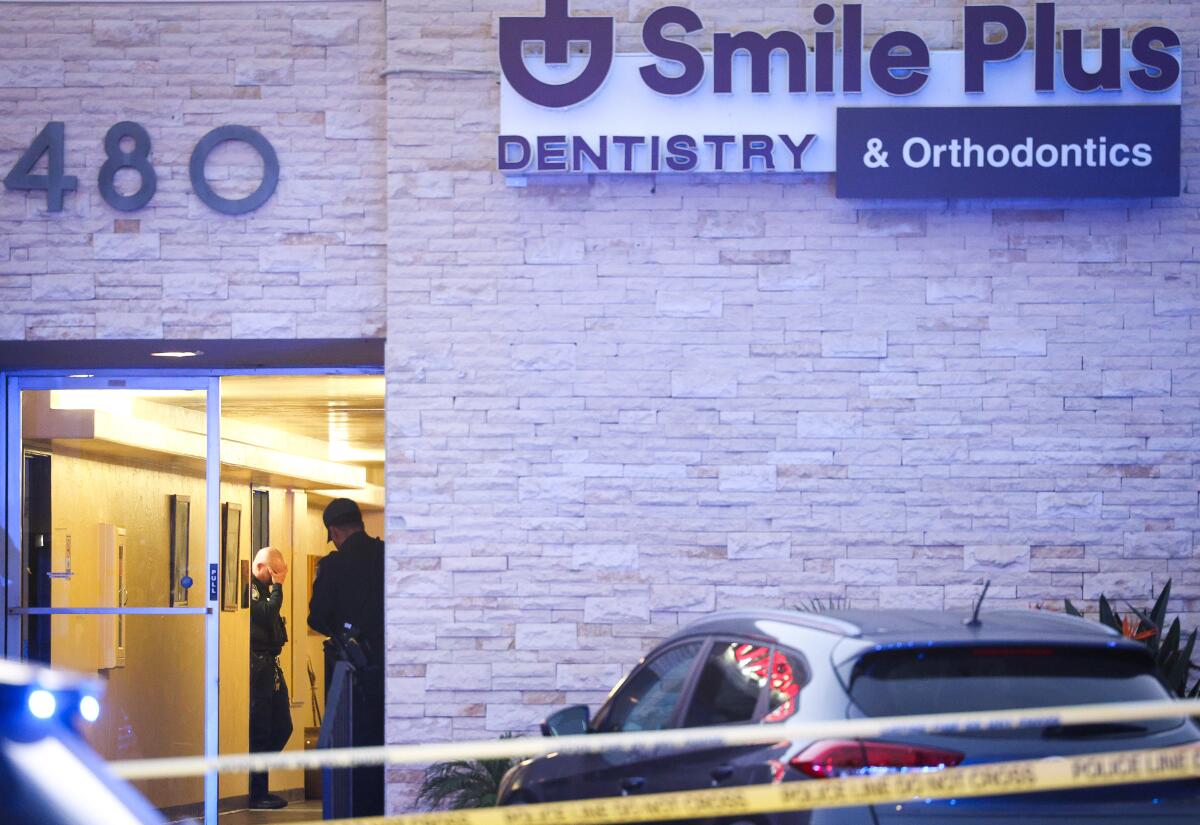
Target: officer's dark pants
{"type": "Point", "coordinates": [367, 782]}
{"type": "Point", "coordinates": [368, 732]}
{"type": "Point", "coordinates": [270, 714]}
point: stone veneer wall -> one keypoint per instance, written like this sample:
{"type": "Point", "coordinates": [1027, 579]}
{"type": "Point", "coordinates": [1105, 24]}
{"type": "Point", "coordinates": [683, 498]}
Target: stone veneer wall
{"type": "Point", "coordinates": [617, 403]}
{"type": "Point", "coordinates": [310, 263]}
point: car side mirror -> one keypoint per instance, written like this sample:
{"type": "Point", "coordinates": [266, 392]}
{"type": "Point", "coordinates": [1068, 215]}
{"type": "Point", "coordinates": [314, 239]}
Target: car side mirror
{"type": "Point", "coordinates": [567, 722]}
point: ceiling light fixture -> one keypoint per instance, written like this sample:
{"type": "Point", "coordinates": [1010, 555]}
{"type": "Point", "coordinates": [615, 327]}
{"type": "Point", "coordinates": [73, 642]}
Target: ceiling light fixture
{"type": "Point", "coordinates": [177, 354]}
{"type": "Point", "coordinates": [82, 375]}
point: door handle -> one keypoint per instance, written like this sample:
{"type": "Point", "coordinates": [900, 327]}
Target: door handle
{"type": "Point", "coordinates": [632, 784]}
{"type": "Point", "coordinates": [721, 773]}
{"type": "Point", "coordinates": [64, 574]}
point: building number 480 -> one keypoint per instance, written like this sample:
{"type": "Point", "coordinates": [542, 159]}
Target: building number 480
{"type": "Point", "coordinates": [50, 141]}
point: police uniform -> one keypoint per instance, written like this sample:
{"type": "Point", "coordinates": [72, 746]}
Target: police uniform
{"type": "Point", "coordinates": [270, 710]}
{"type": "Point", "coordinates": [348, 590]}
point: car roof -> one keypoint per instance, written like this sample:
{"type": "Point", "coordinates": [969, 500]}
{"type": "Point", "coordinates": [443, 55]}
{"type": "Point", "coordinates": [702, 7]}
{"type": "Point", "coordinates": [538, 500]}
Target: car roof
{"type": "Point", "coordinates": [885, 626]}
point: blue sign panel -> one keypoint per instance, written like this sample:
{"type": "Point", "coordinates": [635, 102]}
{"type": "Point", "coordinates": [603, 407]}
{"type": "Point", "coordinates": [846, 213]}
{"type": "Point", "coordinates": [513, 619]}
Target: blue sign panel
{"type": "Point", "coordinates": [1008, 152]}
{"type": "Point", "coordinates": [213, 581]}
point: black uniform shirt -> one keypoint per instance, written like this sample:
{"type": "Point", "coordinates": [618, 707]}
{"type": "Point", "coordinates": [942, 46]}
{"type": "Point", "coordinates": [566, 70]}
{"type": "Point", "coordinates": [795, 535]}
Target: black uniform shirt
{"type": "Point", "coordinates": [267, 633]}
{"type": "Point", "coordinates": [349, 589]}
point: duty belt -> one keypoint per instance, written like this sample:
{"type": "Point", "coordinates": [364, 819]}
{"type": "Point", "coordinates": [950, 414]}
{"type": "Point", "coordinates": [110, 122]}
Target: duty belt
{"type": "Point", "coordinates": [277, 671]}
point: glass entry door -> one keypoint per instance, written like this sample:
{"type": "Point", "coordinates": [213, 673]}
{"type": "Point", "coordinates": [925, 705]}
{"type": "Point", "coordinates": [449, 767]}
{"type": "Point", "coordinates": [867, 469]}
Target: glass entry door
{"type": "Point", "coordinates": [113, 488]}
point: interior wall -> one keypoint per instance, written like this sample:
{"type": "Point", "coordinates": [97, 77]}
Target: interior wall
{"type": "Point", "coordinates": [154, 705]}
{"type": "Point", "coordinates": [291, 537]}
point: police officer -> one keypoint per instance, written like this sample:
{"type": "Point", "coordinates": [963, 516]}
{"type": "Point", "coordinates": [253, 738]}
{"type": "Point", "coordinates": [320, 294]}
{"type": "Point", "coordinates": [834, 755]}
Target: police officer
{"type": "Point", "coordinates": [270, 710]}
{"type": "Point", "coordinates": [347, 596]}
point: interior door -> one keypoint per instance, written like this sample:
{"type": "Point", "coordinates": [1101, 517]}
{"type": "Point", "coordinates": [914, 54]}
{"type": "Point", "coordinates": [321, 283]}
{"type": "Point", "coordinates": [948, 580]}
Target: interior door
{"type": "Point", "coordinates": [113, 520]}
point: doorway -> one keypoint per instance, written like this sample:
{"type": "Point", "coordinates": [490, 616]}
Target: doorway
{"type": "Point", "coordinates": [135, 505]}
{"type": "Point", "coordinates": [291, 444]}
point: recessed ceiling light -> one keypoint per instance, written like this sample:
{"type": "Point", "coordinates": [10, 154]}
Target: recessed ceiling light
{"type": "Point", "coordinates": [177, 354]}
{"type": "Point", "coordinates": [82, 375]}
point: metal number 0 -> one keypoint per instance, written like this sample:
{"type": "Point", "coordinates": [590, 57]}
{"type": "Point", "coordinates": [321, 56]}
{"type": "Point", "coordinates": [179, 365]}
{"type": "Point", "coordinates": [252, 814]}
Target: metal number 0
{"type": "Point", "coordinates": [255, 199]}
{"type": "Point", "coordinates": [138, 159]}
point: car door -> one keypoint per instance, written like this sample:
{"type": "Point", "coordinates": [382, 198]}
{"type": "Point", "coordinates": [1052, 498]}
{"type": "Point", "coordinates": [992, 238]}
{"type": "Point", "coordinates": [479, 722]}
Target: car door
{"type": "Point", "coordinates": [650, 699]}
{"type": "Point", "coordinates": [742, 681]}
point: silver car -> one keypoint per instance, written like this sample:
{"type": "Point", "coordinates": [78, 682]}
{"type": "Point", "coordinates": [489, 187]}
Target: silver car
{"type": "Point", "coordinates": [767, 667]}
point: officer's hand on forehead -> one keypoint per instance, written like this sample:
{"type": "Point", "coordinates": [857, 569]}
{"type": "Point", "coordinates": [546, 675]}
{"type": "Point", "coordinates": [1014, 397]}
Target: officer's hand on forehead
{"type": "Point", "coordinates": [269, 563]}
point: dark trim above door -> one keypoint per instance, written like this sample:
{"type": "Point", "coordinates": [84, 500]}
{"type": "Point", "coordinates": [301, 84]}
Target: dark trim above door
{"type": "Point", "coordinates": [222, 354]}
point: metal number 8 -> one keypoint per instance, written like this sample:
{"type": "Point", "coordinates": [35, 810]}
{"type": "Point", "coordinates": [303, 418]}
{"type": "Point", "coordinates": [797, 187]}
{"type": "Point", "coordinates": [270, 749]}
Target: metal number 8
{"type": "Point", "coordinates": [137, 159]}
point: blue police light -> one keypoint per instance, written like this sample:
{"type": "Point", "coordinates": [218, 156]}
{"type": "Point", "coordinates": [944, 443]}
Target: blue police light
{"type": "Point", "coordinates": [89, 708]}
{"type": "Point", "coordinates": [42, 703]}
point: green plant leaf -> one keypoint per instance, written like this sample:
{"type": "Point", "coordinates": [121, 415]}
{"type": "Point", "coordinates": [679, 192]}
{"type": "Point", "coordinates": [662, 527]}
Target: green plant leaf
{"type": "Point", "coordinates": [463, 784]}
{"type": "Point", "coordinates": [1180, 667]}
{"type": "Point", "coordinates": [1158, 613]}
{"type": "Point", "coordinates": [1072, 610]}
{"type": "Point", "coordinates": [1166, 668]}
{"type": "Point", "coordinates": [1170, 642]}
{"type": "Point", "coordinates": [819, 605]}
{"type": "Point", "coordinates": [1108, 616]}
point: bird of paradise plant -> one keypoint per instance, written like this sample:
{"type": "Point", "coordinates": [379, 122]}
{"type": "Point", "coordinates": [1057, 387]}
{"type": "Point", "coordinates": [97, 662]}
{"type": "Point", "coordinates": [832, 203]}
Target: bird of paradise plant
{"type": "Point", "coordinates": [1171, 653]}
{"type": "Point", "coordinates": [1130, 631]}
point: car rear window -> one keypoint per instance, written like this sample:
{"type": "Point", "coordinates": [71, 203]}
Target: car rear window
{"type": "Point", "coordinates": [967, 679]}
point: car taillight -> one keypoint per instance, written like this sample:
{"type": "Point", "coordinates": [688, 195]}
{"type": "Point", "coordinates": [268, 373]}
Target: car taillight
{"type": "Point", "coordinates": [822, 760]}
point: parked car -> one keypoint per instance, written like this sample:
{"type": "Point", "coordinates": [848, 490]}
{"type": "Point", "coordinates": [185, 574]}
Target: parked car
{"type": "Point", "coordinates": [768, 667]}
{"type": "Point", "coordinates": [48, 773]}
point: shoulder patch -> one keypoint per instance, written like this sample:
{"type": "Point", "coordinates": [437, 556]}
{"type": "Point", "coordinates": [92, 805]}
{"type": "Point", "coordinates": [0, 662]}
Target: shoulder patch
{"type": "Point", "coordinates": [253, 593]}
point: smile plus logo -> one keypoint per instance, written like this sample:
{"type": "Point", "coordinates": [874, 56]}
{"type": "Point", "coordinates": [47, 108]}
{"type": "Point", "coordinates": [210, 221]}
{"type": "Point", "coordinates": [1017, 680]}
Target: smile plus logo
{"type": "Point", "coordinates": [556, 31]}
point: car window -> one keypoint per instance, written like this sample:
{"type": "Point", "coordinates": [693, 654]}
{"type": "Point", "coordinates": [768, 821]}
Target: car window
{"type": "Point", "coordinates": [978, 678]}
{"type": "Point", "coordinates": [648, 700]}
{"type": "Point", "coordinates": [730, 684]}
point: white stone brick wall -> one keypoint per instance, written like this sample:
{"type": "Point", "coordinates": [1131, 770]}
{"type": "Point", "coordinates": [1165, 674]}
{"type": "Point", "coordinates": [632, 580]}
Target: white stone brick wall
{"type": "Point", "coordinates": [309, 263]}
{"type": "Point", "coordinates": [618, 403]}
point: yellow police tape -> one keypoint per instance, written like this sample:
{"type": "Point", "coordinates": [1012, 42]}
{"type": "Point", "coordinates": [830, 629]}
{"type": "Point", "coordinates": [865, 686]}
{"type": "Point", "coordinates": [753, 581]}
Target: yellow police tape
{"type": "Point", "coordinates": [721, 736]}
{"type": "Point", "coordinates": [997, 779]}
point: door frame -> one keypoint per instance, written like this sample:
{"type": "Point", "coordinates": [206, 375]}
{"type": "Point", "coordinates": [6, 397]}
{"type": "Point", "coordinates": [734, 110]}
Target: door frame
{"type": "Point", "coordinates": [14, 609]}
{"type": "Point", "coordinates": [12, 383]}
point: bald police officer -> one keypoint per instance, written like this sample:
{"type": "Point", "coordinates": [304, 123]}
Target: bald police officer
{"type": "Point", "coordinates": [348, 596]}
{"type": "Point", "coordinates": [270, 710]}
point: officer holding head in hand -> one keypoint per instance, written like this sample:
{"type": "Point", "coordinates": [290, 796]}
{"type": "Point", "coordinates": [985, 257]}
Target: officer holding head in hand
{"type": "Point", "coordinates": [270, 709]}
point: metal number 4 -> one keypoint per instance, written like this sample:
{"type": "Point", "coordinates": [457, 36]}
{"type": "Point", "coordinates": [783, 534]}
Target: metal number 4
{"type": "Point", "coordinates": [50, 140]}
